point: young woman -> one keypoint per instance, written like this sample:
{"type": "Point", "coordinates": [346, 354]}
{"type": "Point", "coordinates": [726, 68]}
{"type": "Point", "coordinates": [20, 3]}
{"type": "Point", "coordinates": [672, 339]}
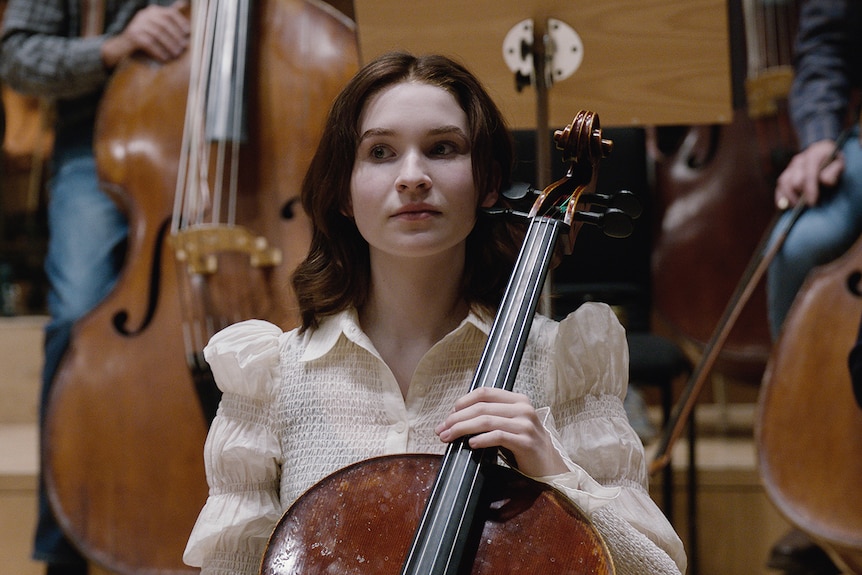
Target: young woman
{"type": "Point", "coordinates": [397, 296]}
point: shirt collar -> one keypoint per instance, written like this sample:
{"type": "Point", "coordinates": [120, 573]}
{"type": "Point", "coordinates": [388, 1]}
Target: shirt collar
{"type": "Point", "coordinates": [321, 340]}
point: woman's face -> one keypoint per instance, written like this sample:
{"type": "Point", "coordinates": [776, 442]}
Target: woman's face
{"type": "Point", "coordinates": [411, 191]}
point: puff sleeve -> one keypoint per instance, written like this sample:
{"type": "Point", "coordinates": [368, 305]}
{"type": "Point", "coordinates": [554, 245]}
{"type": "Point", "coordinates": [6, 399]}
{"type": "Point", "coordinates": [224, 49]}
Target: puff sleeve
{"type": "Point", "coordinates": [589, 422]}
{"type": "Point", "coordinates": [241, 453]}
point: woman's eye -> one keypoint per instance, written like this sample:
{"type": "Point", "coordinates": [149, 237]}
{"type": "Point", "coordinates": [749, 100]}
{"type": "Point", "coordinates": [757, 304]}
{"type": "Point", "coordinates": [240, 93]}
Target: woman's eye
{"type": "Point", "coordinates": [443, 149]}
{"type": "Point", "coordinates": [380, 152]}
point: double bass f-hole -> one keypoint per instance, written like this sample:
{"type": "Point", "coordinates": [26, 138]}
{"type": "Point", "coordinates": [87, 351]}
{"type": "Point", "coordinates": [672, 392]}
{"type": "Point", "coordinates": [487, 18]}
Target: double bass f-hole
{"type": "Point", "coordinates": [121, 318]}
{"type": "Point", "coordinates": [854, 283]}
{"type": "Point", "coordinates": [476, 509]}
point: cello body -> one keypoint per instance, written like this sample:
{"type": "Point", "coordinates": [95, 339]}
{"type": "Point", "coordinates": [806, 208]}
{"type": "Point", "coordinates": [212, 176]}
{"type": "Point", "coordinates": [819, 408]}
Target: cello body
{"type": "Point", "coordinates": [124, 431]}
{"type": "Point", "coordinates": [808, 425]}
{"type": "Point", "coordinates": [526, 527]}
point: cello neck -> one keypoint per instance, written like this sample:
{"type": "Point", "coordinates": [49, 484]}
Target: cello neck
{"type": "Point", "coordinates": [449, 517]}
{"type": "Point", "coordinates": [446, 523]}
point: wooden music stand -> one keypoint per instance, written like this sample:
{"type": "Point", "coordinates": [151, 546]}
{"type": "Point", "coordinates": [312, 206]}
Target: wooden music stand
{"type": "Point", "coordinates": [644, 62]}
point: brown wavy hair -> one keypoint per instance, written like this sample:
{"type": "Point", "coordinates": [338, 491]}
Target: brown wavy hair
{"type": "Point", "coordinates": [336, 273]}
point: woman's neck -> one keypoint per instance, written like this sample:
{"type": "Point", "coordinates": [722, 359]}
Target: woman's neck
{"type": "Point", "coordinates": [412, 306]}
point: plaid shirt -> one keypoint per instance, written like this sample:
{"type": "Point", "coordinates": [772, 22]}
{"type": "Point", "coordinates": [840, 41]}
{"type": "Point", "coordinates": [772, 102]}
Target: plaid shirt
{"type": "Point", "coordinates": [44, 54]}
{"type": "Point", "coordinates": [828, 65]}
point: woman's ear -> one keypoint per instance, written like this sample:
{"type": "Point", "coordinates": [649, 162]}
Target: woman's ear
{"type": "Point", "coordinates": [490, 199]}
{"type": "Point", "coordinates": [347, 210]}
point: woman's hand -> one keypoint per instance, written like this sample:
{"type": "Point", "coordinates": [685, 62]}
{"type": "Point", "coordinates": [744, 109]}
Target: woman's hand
{"type": "Point", "coordinates": [499, 418]}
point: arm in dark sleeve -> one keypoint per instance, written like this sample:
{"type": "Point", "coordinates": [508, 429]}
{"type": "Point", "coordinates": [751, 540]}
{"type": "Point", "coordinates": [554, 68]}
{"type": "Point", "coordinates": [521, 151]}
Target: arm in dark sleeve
{"type": "Point", "coordinates": [825, 66]}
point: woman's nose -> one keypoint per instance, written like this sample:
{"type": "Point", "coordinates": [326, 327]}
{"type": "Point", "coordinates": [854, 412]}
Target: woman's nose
{"type": "Point", "coordinates": [413, 173]}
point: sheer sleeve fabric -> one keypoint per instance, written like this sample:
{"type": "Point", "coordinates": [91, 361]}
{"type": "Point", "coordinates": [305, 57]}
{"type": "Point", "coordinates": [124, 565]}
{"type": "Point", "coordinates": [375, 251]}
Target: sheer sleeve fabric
{"type": "Point", "coordinates": [593, 433]}
{"type": "Point", "coordinates": [241, 454]}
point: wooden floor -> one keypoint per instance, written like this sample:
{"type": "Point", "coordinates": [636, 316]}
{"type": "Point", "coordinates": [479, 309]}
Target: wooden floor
{"type": "Point", "coordinates": [736, 523]}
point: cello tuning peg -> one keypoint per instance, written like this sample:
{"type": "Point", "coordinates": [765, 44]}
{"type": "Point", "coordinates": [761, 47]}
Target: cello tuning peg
{"type": "Point", "coordinates": [498, 211]}
{"type": "Point", "coordinates": [613, 222]}
{"type": "Point", "coordinates": [629, 203]}
{"type": "Point", "coordinates": [518, 191]}
{"type": "Point", "coordinates": [622, 200]}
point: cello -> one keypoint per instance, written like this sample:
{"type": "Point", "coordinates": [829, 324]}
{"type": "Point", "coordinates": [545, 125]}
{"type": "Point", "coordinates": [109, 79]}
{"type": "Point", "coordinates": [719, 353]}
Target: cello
{"type": "Point", "coordinates": [203, 153]}
{"type": "Point", "coordinates": [361, 519]}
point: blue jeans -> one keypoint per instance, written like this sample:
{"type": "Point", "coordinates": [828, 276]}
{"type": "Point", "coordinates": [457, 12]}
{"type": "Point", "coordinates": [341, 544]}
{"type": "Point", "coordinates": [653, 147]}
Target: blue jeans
{"type": "Point", "coordinates": [821, 234]}
{"type": "Point", "coordinates": [86, 243]}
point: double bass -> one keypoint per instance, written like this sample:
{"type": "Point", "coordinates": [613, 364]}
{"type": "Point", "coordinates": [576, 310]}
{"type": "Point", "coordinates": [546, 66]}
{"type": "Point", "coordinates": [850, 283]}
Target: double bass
{"type": "Point", "coordinates": [808, 423]}
{"type": "Point", "coordinates": [478, 517]}
{"type": "Point", "coordinates": [707, 176]}
{"type": "Point", "coordinates": [205, 154]}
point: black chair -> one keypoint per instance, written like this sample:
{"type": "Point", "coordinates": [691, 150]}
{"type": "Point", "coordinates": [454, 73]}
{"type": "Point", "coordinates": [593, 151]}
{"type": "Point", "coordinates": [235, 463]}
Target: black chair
{"type": "Point", "coordinates": [656, 361]}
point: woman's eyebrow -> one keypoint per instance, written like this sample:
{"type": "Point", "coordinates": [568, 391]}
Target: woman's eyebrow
{"type": "Point", "coordinates": [448, 130]}
{"type": "Point", "coordinates": [375, 132]}
{"type": "Point", "coordinates": [438, 131]}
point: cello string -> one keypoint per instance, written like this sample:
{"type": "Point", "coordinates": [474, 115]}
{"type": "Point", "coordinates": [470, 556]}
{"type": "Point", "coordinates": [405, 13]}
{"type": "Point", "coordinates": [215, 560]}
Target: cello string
{"type": "Point", "coordinates": [456, 473]}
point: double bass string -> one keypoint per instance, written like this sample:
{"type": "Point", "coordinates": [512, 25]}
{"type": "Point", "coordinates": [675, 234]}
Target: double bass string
{"type": "Point", "coordinates": [207, 183]}
{"type": "Point", "coordinates": [225, 102]}
{"type": "Point", "coordinates": [769, 33]}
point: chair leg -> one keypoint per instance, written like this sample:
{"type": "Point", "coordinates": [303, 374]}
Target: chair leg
{"type": "Point", "coordinates": [693, 555]}
{"type": "Point", "coordinates": [667, 472]}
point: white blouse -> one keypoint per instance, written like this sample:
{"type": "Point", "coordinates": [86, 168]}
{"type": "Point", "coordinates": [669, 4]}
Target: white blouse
{"type": "Point", "coordinates": [297, 407]}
